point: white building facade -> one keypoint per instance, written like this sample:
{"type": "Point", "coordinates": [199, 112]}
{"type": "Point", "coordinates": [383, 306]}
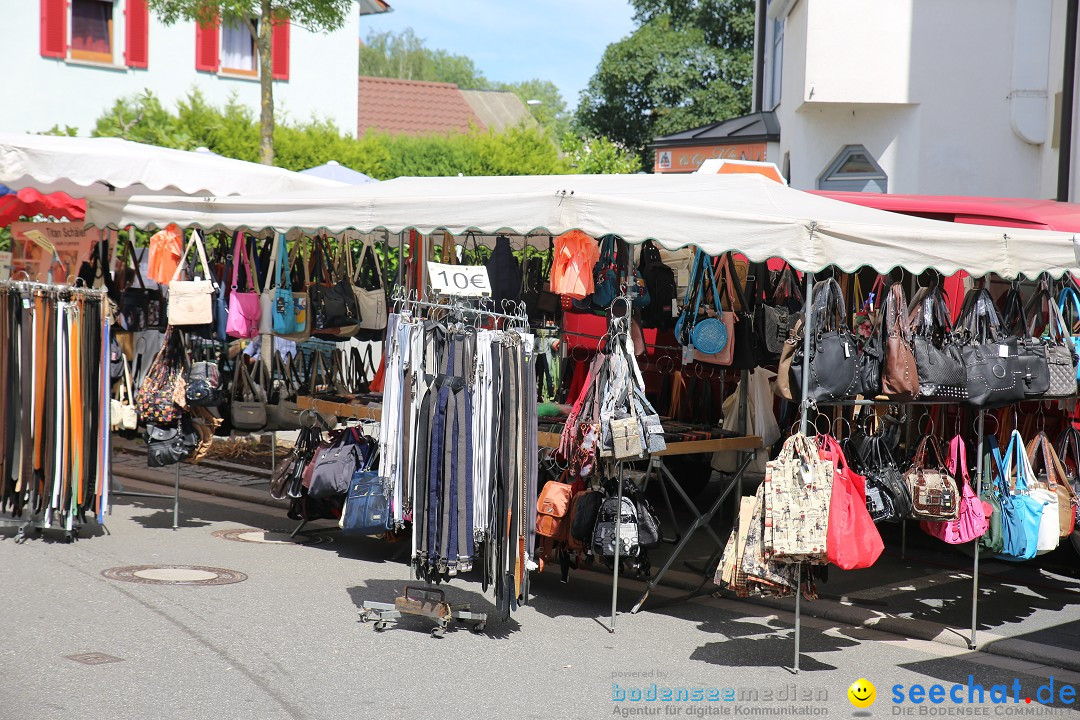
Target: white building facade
{"type": "Point", "coordinates": [956, 97]}
{"type": "Point", "coordinates": [69, 61]}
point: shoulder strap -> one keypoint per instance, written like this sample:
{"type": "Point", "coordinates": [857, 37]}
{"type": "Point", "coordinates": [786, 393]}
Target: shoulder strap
{"type": "Point", "coordinates": [133, 258]}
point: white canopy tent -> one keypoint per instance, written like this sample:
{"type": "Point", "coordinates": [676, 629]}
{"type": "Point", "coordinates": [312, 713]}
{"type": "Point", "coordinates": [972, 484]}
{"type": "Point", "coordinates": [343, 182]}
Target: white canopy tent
{"type": "Point", "coordinates": [746, 213]}
{"type": "Point", "coordinates": [85, 166]}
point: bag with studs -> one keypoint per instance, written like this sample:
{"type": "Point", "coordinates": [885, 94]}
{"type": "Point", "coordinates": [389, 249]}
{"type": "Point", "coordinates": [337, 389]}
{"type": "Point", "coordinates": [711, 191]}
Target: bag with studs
{"type": "Point", "coordinates": [933, 491]}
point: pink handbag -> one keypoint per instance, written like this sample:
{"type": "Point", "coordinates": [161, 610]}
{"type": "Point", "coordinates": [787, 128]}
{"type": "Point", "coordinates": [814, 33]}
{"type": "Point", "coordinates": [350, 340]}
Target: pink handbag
{"type": "Point", "coordinates": [244, 307]}
{"type": "Point", "coordinates": [971, 522]}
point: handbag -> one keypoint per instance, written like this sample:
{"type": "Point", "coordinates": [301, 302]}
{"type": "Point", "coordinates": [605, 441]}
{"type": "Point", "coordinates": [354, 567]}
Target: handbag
{"type": "Point", "coordinates": [852, 541]}
{"type": "Point", "coordinates": [298, 285]}
{"type": "Point", "coordinates": [370, 292]}
{"type": "Point", "coordinates": [191, 302]}
{"type": "Point", "coordinates": [367, 507]}
{"type": "Point", "coordinates": [1043, 489]}
{"type": "Point", "coordinates": [938, 358]}
{"type": "Point", "coordinates": [774, 320]}
{"type": "Point", "coordinates": [333, 466]}
{"type": "Point", "coordinates": [614, 515]}
{"type": "Point", "coordinates": [332, 308]}
{"type": "Point", "coordinates": [798, 489]}
{"type": "Point", "coordinates": [283, 412]}
{"type": "Point", "coordinates": [627, 437]}
{"type": "Point", "coordinates": [887, 497]}
{"type": "Point", "coordinates": [742, 338]}
{"type": "Point", "coordinates": [933, 492]}
{"type": "Point", "coordinates": [247, 410]}
{"type": "Point", "coordinates": [833, 350]}
{"type": "Point", "coordinates": [900, 376]}
{"type": "Point", "coordinates": [1070, 293]}
{"type": "Point", "coordinates": [122, 415]}
{"type": "Point", "coordinates": [992, 370]}
{"type": "Point", "coordinates": [971, 520]}
{"type": "Point", "coordinates": [266, 266]}
{"type": "Point", "coordinates": [204, 385]}
{"type": "Point", "coordinates": [553, 510]}
{"type": "Point", "coordinates": [605, 276]}
{"type": "Point", "coordinates": [155, 399]}
{"type": "Point", "coordinates": [1061, 357]}
{"type": "Point", "coordinates": [282, 308]}
{"type": "Point", "coordinates": [1031, 351]}
{"type": "Point", "coordinates": [140, 308]}
{"type": "Point", "coordinates": [1022, 513]}
{"type": "Point", "coordinates": [993, 540]}
{"type": "Point", "coordinates": [244, 307]}
{"type": "Point", "coordinates": [168, 445]}
{"type": "Point", "coordinates": [1056, 480]}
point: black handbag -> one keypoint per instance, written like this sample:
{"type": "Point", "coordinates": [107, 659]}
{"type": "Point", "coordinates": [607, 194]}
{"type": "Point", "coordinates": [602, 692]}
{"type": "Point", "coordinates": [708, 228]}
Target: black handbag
{"type": "Point", "coordinates": [204, 386]}
{"type": "Point", "coordinates": [992, 370]}
{"type": "Point", "coordinates": [773, 319]}
{"type": "Point", "coordinates": [938, 358]}
{"type": "Point", "coordinates": [887, 496]}
{"type": "Point", "coordinates": [742, 356]}
{"type": "Point", "coordinates": [140, 308]}
{"type": "Point", "coordinates": [332, 307]}
{"type": "Point", "coordinates": [168, 445]}
{"type": "Point", "coordinates": [335, 465]}
{"type": "Point", "coordinates": [834, 354]}
{"type": "Point", "coordinates": [1033, 351]}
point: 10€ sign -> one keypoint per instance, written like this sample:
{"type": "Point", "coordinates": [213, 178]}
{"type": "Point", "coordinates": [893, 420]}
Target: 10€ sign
{"type": "Point", "coordinates": [469, 280]}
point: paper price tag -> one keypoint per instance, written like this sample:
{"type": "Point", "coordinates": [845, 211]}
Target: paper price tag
{"type": "Point", "coordinates": [468, 280]}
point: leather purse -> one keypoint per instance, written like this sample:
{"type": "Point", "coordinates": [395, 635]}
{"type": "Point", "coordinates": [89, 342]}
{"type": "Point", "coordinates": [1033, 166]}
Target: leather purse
{"type": "Point", "coordinates": [283, 412]}
{"type": "Point", "coordinates": [833, 351]}
{"type": "Point", "coordinates": [244, 305]}
{"type": "Point", "coordinates": [900, 376]}
{"type": "Point", "coordinates": [741, 304]}
{"type": "Point", "coordinates": [248, 407]}
{"type": "Point", "coordinates": [1068, 452]}
{"type": "Point", "coordinates": [204, 385]}
{"type": "Point", "coordinates": [938, 357]}
{"type": "Point", "coordinates": [887, 497]}
{"type": "Point", "coordinates": [140, 308]}
{"type": "Point", "coordinates": [191, 302]}
{"type": "Point", "coordinates": [971, 521]}
{"type": "Point", "coordinates": [1054, 478]}
{"type": "Point", "coordinates": [282, 307]}
{"type": "Point", "coordinates": [332, 308]}
{"type": "Point", "coordinates": [934, 495]}
{"type": "Point", "coordinates": [1070, 295]}
{"type": "Point", "coordinates": [773, 320]}
{"type": "Point", "coordinates": [1061, 357]}
{"type": "Point", "coordinates": [992, 370]}
{"type": "Point", "coordinates": [370, 293]}
{"type": "Point", "coordinates": [168, 445]}
{"type": "Point", "coordinates": [1031, 351]}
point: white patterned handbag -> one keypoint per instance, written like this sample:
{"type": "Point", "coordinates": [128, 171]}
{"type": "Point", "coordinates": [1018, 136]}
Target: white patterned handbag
{"type": "Point", "coordinates": [798, 490]}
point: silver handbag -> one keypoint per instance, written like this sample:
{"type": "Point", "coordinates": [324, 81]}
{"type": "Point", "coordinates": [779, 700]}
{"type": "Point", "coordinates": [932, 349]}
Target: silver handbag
{"type": "Point", "coordinates": [1060, 355]}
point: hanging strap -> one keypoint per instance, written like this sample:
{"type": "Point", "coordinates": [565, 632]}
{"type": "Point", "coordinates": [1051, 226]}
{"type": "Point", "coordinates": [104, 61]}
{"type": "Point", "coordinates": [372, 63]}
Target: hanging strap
{"type": "Point", "coordinates": [197, 242]}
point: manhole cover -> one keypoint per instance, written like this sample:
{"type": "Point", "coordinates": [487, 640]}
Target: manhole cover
{"type": "Point", "coordinates": [174, 575]}
{"type": "Point", "coordinates": [270, 537]}
{"type": "Point", "coordinates": [94, 658]}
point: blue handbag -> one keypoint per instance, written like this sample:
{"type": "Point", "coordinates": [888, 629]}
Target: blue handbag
{"type": "Point", "coordinates": [367, 506]}
{"type": "Point", "coordinates": [283, 310]}
{"type": "Point", "coordinates": [1068, 291]}
{"type": "Point", "coordinates": [1021, 514]}
{"type": "Point", "coordinates": [606, 275]}
{"type": "Point", "coordinates": [709, 334]}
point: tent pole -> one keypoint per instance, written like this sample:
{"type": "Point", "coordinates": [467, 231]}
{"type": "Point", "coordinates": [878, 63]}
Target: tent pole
{"type": "Point", "coordinates": [975, 543]}
{"type": "Point", "coordinates": [804, 406]}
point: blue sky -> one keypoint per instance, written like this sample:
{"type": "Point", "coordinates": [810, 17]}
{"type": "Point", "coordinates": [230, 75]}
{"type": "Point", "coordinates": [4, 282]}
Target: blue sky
{"type": "Point", "coordinates": [511, 40]}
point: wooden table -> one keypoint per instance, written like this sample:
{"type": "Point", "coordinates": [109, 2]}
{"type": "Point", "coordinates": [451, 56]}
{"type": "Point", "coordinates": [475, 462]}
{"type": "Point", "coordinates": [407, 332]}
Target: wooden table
{"type": "Point", "coordinates": [342, 410]}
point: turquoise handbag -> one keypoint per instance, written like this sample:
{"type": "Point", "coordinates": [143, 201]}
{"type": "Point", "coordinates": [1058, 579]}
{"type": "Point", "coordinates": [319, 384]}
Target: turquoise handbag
{"type": "Point", "coordinates": [1068, 291]}
{"type": "Point", "coordinates": [283, 310]}
{"type": "Point", "coordinates": [1021, 514]}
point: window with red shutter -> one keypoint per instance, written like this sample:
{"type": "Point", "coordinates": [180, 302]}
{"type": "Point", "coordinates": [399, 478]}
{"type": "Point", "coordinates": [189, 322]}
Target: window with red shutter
{"type": "Point", "coordinates": [92, 30]}
{"type": "Point", "coordinates": [206, 47]}
{"type": "Point", "coordinates": [137, 44]}
{"type": "Point", "coordinates": [54, 28]}
{"type": "Point", "coordinates": [279, 49]}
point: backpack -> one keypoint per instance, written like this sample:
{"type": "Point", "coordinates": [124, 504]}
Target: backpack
{"type": "Point", "coordinates": [553, 511]}
{"type": "Point", "coordinates": [583, 510]}
{"type": "Point", "coordinates": [603, 540]}
{"type": "Point", "coordinates": [662, 311]}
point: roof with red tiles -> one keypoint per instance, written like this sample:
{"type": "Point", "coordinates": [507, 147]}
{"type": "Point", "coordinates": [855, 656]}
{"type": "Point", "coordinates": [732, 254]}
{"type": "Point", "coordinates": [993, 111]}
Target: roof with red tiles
{"type": "Point", "coordinates": [412, 107]}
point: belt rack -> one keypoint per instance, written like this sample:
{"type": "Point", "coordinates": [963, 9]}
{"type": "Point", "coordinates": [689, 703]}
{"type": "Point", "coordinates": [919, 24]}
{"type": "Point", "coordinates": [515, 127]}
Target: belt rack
{"type": "Point", "coordinates": [37, 521]}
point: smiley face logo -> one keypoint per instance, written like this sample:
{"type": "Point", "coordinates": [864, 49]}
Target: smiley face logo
{"type": "Point", "coordinates": [862, 693]}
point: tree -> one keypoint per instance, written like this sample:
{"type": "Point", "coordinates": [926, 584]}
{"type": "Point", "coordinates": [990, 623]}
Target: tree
{"type": "Point", "coordinates": [316, 15]}
{"type": "Point", "coordinates": [550, 112]}
{"type": "Point", "coordinates": [689, 63]}
{"type": "Point", "coordinates": [598, 156]}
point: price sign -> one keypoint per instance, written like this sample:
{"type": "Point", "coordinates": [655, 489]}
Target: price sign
{"type": "Point", "coordinates": [470, 280]}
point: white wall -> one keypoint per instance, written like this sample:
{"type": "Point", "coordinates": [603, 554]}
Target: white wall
{"type": "Point", "coordinates": [41, 92]}
{"type": "Point", "coordinates": [938, 92]}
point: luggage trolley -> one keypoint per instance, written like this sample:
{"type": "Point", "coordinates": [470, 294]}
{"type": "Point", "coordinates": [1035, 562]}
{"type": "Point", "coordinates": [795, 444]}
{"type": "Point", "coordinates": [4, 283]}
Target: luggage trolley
{"type": "Point", "coordinates": [425, 602]}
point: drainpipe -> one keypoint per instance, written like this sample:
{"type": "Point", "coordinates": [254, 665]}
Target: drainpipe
{"type": "Point", "coordinates": [1068, 81]}
{"type": "Point", "coordinates": [759, 57]}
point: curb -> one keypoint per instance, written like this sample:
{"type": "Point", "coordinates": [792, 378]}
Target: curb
{"type": "Point", "coordinates": [204, 487]}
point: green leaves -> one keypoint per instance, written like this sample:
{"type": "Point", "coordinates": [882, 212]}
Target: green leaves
{"type": "Point", "coordinates": [315, 15]}
{"type": "Point", "coordinates": [690, 63]}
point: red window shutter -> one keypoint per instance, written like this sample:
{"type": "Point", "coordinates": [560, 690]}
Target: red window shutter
{"type": "Point", "coordinates": [279, 49]}
{"type": "Point", "coordinates": [54, 28]}
{"type": "Point", "coordinates": [137, 48]}
{"type": "Point", "coordinates": [207, 39]}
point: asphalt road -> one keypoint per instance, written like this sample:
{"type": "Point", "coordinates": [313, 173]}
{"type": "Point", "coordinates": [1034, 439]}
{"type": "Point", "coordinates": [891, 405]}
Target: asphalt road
{"type": "Point", "coordinates": [286, 642]}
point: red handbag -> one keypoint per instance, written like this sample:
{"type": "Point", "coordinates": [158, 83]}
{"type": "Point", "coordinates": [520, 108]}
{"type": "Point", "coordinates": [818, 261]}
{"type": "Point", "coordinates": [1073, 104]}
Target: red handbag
{"type": "Point", "coordinates": [852, 541]}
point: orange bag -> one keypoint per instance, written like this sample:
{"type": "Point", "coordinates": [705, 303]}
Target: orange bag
{"type": "Point", "coordinates": [553, 511]}
{"type": "Point", "coordinates": [853, 541]}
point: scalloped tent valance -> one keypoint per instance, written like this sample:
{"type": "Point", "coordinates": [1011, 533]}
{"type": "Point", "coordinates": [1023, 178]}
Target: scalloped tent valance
{"type": "Point", "coordinates": [82, 166]}
{"type": "Point", "coordinates": [718, 213]}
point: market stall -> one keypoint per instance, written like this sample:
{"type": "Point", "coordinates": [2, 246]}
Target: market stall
{"type": "Point", "coordinates": [825, 357]}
